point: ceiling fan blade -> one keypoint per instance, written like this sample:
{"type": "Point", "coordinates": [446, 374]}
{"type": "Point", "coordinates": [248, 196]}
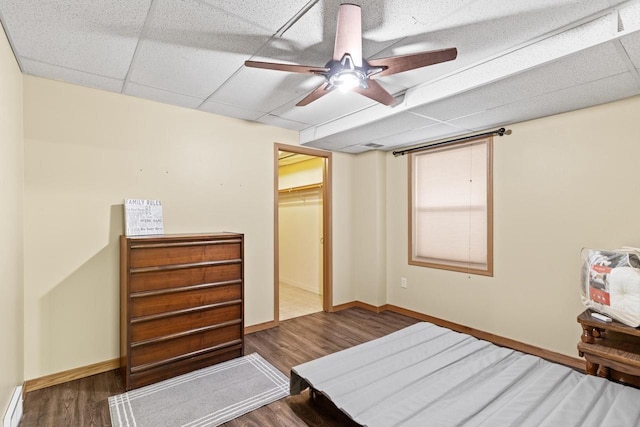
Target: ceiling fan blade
{"type": "Point", "coordinates": [349, 34]}
{"type": "Point", "coordinates": [377, 93]}
{"type": "Point", "coordinates": [398, 64]}
{"type": "Point", "coordinates": [320, 91]}
{"type": "Point", "coordinates": [304, 69]}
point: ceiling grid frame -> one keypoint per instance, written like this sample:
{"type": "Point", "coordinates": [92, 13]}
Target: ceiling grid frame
{"type": "Point", "coordinates": [143, 32]}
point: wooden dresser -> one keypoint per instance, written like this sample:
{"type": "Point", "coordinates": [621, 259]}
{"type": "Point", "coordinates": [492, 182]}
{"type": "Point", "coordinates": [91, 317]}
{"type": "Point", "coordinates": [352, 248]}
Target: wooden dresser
{"type": "Point", "coordinates": [181, 304]}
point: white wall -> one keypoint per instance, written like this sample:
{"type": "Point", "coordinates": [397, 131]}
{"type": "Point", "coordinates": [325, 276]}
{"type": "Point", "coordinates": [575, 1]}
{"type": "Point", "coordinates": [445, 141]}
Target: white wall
{"type": "Point", "coordinates": [300, 226]}
{"type": "Point", "coordinates": [11, 258]}
{"type": "Point", "coordinates": [87, 150]}
{"type": "Point", "coordinates": [560, 183]}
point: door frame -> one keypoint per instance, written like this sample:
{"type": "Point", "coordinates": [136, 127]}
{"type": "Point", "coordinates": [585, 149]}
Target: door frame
{"type": "Point", "coordinates": [327, 247]}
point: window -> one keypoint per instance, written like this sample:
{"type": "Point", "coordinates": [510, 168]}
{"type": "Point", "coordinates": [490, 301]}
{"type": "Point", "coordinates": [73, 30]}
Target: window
{"type": "Point", "coordinates": [450, 203]}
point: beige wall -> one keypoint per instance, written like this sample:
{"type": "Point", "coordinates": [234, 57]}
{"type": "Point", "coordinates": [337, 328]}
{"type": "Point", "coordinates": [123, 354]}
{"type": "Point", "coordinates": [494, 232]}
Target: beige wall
{"type": "Point", "coordinates": [344, 290]}
{"type": "Point", "coordinates": [368, 233]}
{"type": "Point", "coordinates": [87, 150]}
{"type": "Point", "coordinates": [560, 183]}
{"type": "Point", "coordinates": [11, 258]}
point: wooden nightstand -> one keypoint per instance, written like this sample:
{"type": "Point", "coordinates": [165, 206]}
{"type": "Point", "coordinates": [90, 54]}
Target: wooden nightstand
{"type": "Point", "coordinates": [611, 350]}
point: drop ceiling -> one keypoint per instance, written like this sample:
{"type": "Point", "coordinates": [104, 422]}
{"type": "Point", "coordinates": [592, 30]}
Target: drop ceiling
{"type": "Point", "coordinates": [517, 60]}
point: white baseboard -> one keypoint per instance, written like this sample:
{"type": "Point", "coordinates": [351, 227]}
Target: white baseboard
{"type": "Point", "coordinates": [14, 412]}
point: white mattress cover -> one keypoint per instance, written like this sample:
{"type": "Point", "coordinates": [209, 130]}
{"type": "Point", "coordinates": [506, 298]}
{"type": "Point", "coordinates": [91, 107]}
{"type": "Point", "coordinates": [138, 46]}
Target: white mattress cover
{"type": "Point", "coordinates": [425, 375]}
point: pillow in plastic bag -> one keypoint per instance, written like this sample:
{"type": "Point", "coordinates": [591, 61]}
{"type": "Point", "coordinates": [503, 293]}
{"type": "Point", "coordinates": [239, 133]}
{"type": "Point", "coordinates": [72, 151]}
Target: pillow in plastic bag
{"type": "Point", "coordinates": [611, 283]}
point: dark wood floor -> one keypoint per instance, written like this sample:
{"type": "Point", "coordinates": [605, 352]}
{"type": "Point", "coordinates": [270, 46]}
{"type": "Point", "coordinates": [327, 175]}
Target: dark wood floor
{"type": "Point", "coordinates": [83, 403]}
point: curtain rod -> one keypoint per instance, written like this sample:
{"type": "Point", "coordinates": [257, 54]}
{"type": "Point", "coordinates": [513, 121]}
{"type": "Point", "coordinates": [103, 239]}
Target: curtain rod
{"type": "Point", "coordinates": [499, 132]}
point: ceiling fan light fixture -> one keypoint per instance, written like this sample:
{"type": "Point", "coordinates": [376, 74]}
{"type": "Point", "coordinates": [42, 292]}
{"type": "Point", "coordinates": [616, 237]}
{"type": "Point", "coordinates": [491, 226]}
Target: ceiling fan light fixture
{"type": "Point", "coordinates": [349, 71]}
{"type": "Point", "coordinates": [345, 75]}
{"type": "Point", "coordinates": [347, 80]}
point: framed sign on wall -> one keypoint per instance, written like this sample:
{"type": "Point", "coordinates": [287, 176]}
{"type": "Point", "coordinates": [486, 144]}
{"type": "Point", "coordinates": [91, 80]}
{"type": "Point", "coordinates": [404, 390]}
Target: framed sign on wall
{"type": "Point", "coordinates": [143, 217]}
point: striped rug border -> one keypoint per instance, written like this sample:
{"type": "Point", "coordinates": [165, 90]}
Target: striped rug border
{"type": "Point", "coordinates": [122, 413]}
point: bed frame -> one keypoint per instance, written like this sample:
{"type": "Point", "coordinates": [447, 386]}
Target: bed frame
{"type": "Point", "coordinates": [426, 375]}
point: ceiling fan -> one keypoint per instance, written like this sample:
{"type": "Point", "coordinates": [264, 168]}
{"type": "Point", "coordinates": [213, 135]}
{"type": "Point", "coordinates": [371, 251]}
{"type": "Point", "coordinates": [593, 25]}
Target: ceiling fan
{"type": "Point", "coordinates": [347, 70]}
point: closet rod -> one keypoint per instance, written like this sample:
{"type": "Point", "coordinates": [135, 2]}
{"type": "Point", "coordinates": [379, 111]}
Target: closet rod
{"type": "Point", "coordinates": [300, 188]}
{"type": "Point", "coordinates": [499, 132]}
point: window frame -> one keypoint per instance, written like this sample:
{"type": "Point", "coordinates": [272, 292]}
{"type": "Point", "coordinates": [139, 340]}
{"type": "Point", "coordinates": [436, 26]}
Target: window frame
{"type": "Point", "coordinates": [413, 260]}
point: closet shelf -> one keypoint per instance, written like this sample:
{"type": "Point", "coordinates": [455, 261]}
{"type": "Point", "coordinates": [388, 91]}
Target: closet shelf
{"type": "Point", "coordinates": [300, 188]}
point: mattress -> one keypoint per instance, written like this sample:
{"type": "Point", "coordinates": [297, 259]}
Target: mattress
{"type": "Point", "coordinates": [426, 375]}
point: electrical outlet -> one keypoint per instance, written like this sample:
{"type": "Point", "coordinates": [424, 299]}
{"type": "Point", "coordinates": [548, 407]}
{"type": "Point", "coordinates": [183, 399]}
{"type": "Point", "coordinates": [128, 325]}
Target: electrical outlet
{"type": "Point", "coordinates": [403, 282]}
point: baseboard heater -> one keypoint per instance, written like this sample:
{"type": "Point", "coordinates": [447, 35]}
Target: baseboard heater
{"type": "Point", "coordinates": [14, 411]}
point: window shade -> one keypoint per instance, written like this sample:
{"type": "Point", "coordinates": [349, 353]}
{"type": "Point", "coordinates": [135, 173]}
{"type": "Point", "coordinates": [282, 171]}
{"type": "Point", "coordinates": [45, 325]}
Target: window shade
{"type": "Point", "coordinates": [450, 206]}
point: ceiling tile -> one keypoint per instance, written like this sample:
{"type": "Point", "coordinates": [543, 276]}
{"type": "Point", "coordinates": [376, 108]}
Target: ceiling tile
{"type": "Point", "coordinates": [265, 90]}
{"type": "Point", "coordinates": [457, 106]}
{"type": "Point", "coordinates": [283, 123]}
{"type": "Point", "coordinates": [186, 70]}
{"type": "Point", "coordinates": [420, 135]}
{"type": "Point", "coordinates": [192, 48]}
{"type": "Point", "coordinates": [381, 129]}
{"type": "Point", "coordinates": [325, 145]}
{"type": "Point", "coordinates": [68, 75]}
{"type": "Point", "coordinates": [484, 28]}
{"type": "Point", "coordinates": [525, 17]}
{"type": "Point", "coordinates": [630, 17]}
{"type": "Point", "coordinates": [601, 61]}
{"type": "Point", "coordinates": [631, 44]}
{"type": "Point", "coordinates": [355, 149]}
{"type": "Point", "coordinates": [531, 18]}
{"type": "Point", "coordinates": [94, 37]}
{"type": "Point", "coordinates": [414, 17]}
{"type": "Point", "coordinates": [163, 96]}
{"type": "Point", "coordinates": [408, 137]}
{"type": "Point", "coordinates": [573, 98]}
{"type": "Point", "coordinates": [311, 40]}
{"type": "Point", "coordinates": [196, 24]}
{"type": "Point", "coordinates": [330, 106]}
{"type": "Point", "coordinates": [231, 111]}
{"type": "Point", "coordinates": [269, 14]}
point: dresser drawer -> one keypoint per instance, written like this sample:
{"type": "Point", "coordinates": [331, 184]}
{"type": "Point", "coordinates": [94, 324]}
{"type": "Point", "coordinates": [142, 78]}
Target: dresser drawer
{"type": "Point", "coordinates": [163, 325]}
{"type": "Point", "coordinates": [162, 372]}
{"type": "Point", "coordinates": [154, 255]}
{"type": "Point", "coordinates": [183, 277]}
{"type": "Point", "coordinates": [165, 351]}
{"type": "Point", "coordinates": [148, 303]}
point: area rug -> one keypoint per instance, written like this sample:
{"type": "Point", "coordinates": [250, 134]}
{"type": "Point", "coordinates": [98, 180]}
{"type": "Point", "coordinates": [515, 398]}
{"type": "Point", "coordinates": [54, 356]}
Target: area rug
{"type": "Point", "coordinates": [207, 397]}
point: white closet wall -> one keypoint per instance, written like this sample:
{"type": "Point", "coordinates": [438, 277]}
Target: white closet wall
{"type": "Point", "coordinates": [300, 225]}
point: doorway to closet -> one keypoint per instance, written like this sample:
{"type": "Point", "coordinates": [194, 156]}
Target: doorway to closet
{"type": "Point", "coordinates": [302, 232]}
